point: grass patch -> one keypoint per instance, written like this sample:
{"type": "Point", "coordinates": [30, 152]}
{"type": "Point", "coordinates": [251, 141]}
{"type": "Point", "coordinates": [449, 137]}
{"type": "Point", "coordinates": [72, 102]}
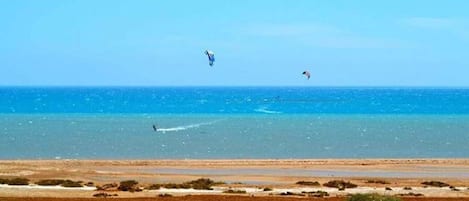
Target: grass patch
{"type": "Point", "coordinates": [199, 184]}
{"type": "Point", "coordinates": [372, 197]}
{"type": "Point", "coordinates": [202, 184]}
{"type": "Point", "coordinates": [15, 181]}
{"type": "Point", "coordinates": [103, 195]}
{"type": "Point", "coordinates": [106, 187]}
{"type": "Point", "coordinates": [89, 184]}
{"type": "Point", "coordinates": [4, 181]}
{"type": "Point", "coordinates": [319, 194]}
{"type": "Point", "coordinates": [154, 187]}
{"type": "Point", "coordinates": [72, 184]}
{"type": "Point", "coordinates": [377, 181]}
{"type": "Point", "coordinates": [340, 184]}
{"type": "Point", "coordinates": [435, 183]}
{"type": "Point", "coordinates": [410, 194]}
{"type": "Point", "coordinates": [176, 186]}
{"type": "Point", "coordinates": [268, 189]}
{"type": "Point", "coordinates": [128, 185]}
{"type": "Point", "coordinates": [308, 183]}
{"type": "Point", "coordinates": [235, 191]}
{"type": "Point", "coordinates": [50, 182]}
{"type": "Point", "coordinates": [61, 182]}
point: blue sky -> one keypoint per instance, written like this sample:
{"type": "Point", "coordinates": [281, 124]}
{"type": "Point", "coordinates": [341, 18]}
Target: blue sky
{"type": "Point", "coordinates": [161, 43]}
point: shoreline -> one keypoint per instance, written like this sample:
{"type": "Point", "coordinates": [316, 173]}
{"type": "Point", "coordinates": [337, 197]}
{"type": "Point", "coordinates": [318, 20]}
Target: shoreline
{"type": "Point", "coordinates": [262, 160]}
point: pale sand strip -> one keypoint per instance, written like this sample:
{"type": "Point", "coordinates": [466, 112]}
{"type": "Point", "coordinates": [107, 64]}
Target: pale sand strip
{"type": "Point", "coordinates": [57, 191]}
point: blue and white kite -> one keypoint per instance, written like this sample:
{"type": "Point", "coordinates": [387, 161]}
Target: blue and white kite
{"type": "Point", "coordinates": [211, 57]}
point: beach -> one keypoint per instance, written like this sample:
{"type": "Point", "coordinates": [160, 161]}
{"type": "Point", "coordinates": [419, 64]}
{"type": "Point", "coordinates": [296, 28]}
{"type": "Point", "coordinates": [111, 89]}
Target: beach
{"type": "Point", "coordinates": [217, 198]}
{"type": "Point", "coordinates": [251, 176]}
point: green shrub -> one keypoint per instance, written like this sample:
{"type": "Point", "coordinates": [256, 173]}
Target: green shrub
{"type": "Point", "coordinates": [308, 183]}
{"type": "Point", "coordinates": [50, 182]}
{"type": "Point", "coordinates": [371, 197]}
{"type": "Point", "coordinates": [18, 181]}
{"type": "Point", "coordinates": [154, 187]}
{"type": "Point", "coordinates": [316, 193]}
{"type": "Point", "coordinates": [103, 195]}
{"type": "Point", "coordinates": [201, 184]}
{"type": "Point", "coordinates": [4, 181]}
{"type": "Point", "coordinates": [410, 194]}
{"type": "Point", "coordinates": [340, 184]}
{"type": "Point", "coordinates": [176, 186]}
{"type": "Point", "coordinates": [377, 181]}
{"type": "Point", "coordinates": [235, 191]}
{"type": "Point", "coordinates": [107, 186]}
{"type": "Point", "coordinates": [268, 189]}
{"type": "Point", "coordinates": [89, 184]}
{"type": "Point", "coordinates": [70, 183]}
{"type": "Point", "coordinates": [56, 182]}
{"type": "Point", "coordinates": [435, 183]}
{"type": "Point", "coordinates": [128, 185]}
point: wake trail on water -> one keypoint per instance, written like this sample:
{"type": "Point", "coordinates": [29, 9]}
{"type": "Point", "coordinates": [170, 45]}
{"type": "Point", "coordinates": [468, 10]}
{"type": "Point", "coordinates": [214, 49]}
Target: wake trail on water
{"type": "Point", "coordinates": [186, 127]}
{"type": "Point", "coordinates": [267, 111]}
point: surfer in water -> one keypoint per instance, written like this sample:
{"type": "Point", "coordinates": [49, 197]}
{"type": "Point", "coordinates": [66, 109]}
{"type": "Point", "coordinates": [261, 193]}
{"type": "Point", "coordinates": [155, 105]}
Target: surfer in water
{"type": "Point", "coordinates": [154, 127]}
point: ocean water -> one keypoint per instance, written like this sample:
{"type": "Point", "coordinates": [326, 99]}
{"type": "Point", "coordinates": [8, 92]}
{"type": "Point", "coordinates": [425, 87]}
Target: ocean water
{"type": "Point", "coordinates": [233, 122]}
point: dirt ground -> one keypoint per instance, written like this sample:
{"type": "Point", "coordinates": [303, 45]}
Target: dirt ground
{"type": "Point", "coordinates": [218, 198]}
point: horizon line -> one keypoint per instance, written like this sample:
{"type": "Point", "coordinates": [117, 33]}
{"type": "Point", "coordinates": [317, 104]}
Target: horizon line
{"type": "Point", "coordinates": [233, 86]}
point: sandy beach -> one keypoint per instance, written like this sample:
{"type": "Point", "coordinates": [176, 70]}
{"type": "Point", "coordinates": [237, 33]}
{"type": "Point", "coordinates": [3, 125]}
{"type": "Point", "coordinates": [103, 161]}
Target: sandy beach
{"type": "Point", "coordinates": [218, 198]}
{"type": "Point", "coordinates": [251, 176]}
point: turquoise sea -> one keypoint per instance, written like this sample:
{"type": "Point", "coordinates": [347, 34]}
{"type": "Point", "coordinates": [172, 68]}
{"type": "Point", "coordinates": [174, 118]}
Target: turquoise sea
{"type": "Point", "coordinates": [233, 122]}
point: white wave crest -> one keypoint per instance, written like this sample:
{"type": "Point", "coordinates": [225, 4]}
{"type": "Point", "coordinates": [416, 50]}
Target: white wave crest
{"type": "Point", "coordinates": [267, 111]}
{"type": "Point", "coordinates": [185, 127]}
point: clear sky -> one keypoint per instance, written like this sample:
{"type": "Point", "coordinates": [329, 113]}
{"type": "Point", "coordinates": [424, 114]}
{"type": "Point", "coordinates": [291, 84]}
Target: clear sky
{"type": "Point", "coordinates": [263, 42]}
